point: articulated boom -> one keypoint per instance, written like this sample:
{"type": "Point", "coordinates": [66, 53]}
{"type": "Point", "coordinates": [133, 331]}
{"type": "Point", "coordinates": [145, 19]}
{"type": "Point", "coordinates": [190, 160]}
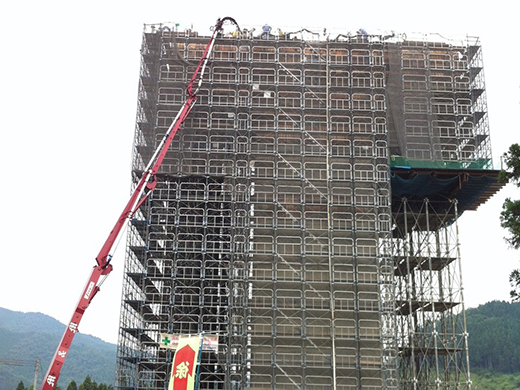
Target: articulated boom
{"type": "Point", "coordinates": [141, 192]}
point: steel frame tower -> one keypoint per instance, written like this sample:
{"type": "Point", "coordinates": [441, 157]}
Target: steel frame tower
{"type": "Point", "coordinates": [441, 166]}
{"type": "Point", "coordinates": [275, 224]}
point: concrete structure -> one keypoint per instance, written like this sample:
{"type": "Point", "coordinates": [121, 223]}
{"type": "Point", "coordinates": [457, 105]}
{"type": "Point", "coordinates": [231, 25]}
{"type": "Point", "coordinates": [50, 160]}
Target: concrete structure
{"type": "Point", "coordinates": [307, 212]}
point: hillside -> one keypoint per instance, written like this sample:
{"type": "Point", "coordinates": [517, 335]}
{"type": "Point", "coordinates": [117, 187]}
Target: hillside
{"type": "Point", "coordinates": [494, 340]}
{"type": "Point", "coordinates": [26, 336]}
{"type": "Point", "coordinates": [494, 337]}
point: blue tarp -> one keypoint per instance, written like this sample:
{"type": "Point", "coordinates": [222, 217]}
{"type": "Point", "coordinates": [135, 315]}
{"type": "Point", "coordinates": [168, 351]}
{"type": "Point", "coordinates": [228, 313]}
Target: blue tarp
{"type": "Point", "coordinates": [420, 185]}
{"type": "Point", "coordinates": [427, 186]}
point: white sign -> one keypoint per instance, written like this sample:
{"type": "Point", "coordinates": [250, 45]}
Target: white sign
{"type": "Point", "coordinates": [170, 341]}
{"type": "Point", "coordinates": [89, 290]}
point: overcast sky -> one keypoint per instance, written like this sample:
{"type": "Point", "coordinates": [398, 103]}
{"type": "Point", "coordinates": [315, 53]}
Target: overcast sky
{"type": "Point", "coordinates": [68, 98]}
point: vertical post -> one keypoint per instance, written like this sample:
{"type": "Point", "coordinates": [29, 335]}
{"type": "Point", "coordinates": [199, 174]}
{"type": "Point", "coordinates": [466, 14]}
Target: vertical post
{"type": "Point", "coordinates": [438, 254]}
{"type": "Point", "coordinates": [410, 331]}
{"type": "Point", "coordinates": [36, 372]}
{"type": "Point", "coordinates": [464, 324]}
{"type": "Point", "coordinates": [197, 373]}
{"type": "Point", "coordinates": [329, 221]}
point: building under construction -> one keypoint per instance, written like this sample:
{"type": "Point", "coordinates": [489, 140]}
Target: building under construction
{"type": "Point", "coordinates": [306, 213]}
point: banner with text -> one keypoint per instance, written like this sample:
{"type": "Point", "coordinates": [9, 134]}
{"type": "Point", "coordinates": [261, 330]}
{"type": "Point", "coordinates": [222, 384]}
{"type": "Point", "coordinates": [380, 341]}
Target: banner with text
{"type": "Point", "coordinates": [171, 341]}
{"type": "Point", "coordinates": [184, 367]}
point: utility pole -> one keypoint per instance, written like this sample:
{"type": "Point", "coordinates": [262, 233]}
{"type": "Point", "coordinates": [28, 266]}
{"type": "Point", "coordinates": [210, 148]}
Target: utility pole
{"type": "Point", "coordinates": [36, 372]}
{"type": "Point", "coordinates": [13, 362]}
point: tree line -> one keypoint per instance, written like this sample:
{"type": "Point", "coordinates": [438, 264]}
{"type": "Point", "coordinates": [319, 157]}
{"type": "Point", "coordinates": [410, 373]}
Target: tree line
{"type": "Point", "coordinates": [494, 337]}
{"type": "Point", "coordinates": [510, 215]}
{"type": "Point", "coordinates": [88, 384]}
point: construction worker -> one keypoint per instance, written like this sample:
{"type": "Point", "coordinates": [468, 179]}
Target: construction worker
{"type": "Point", "coordinates": [363, 33]}
{"type": "Point", "coordinates": [266, 31]}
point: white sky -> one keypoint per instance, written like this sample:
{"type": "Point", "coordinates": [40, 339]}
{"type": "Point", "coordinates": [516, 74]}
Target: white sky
{"type": "Point", "coordinates": [69, 75]}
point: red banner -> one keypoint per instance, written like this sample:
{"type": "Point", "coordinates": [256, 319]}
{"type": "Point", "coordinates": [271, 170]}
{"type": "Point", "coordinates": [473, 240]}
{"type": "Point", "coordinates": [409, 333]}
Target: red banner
{"type": "Point", "coordinates": [185, 364]}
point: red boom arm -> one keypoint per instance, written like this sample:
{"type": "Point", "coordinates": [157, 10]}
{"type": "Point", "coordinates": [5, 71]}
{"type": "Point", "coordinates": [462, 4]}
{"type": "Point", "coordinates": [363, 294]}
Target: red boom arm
{"type": "Point", "coordinates": [141, 192]}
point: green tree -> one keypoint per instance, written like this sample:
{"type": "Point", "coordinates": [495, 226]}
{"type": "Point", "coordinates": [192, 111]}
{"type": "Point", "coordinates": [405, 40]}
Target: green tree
{"type": "Point", "coordinates": [492, 327]}
{"type": "Point", "coordinates": [72, 385]}
{"type": "Point", "coordinates": [510, 215]}
{"type": "Point", "coordinates": [20, 386]}
{"type": "Point", "coordinates": [88, 384]}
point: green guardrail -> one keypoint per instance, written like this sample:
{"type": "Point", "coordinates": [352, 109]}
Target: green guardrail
{"type": "Point", "coordinates": [398, 161]}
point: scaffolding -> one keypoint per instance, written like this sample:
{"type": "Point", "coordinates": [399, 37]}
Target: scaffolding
{"type": "Point", "coordinates": [273, 224]}
{"type": "Point", "coordinates": [440, 166]}
{"type": "Point", "coordinates": [429, 301]}
{"type": "Point", "coordinates": [438, 112]}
